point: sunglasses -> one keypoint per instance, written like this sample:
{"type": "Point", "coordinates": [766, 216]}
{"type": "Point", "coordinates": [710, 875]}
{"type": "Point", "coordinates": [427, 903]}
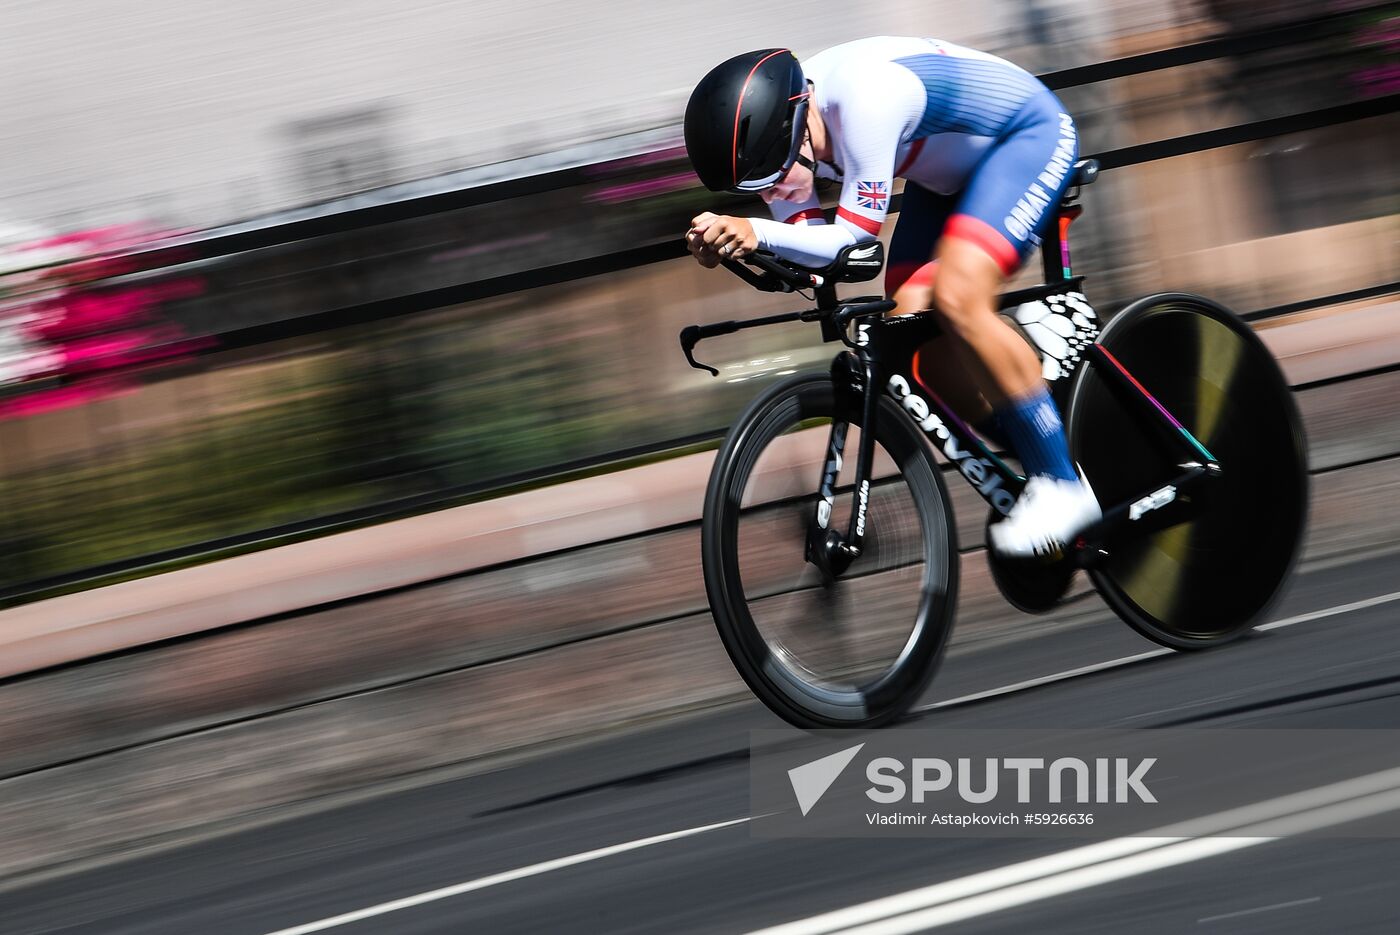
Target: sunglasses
{"type": "Point", "coordinates": [794, 156]}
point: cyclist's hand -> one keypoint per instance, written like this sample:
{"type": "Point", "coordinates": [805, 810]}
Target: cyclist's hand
{"type": "Point", "coordinates": [714, 237]}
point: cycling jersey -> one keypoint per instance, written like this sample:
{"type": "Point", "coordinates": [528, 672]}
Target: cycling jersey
{"type": "Point", "coordinates": [953, 120]}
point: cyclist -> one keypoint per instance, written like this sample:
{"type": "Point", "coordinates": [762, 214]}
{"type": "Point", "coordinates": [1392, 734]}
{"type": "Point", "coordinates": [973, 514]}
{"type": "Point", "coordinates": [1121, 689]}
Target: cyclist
{"type": "Point", "coordinates": [986, 152]}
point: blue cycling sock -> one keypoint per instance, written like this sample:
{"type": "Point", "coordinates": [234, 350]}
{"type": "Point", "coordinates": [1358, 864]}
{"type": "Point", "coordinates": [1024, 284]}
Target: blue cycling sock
{"type": "Point", "coordinates": [1033, 426]}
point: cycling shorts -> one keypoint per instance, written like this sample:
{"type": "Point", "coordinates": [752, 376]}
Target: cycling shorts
{"type": "Point", "coordinates": [1006, 204]}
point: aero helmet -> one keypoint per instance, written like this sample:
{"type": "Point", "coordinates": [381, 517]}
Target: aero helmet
{"type": "Point", "coordinates": [745, 121]}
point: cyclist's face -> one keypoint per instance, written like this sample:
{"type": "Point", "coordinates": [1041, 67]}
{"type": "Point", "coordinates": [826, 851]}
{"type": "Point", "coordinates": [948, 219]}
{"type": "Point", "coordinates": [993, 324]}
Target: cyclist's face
{"type": "Point", "coordinates": [796, 186]}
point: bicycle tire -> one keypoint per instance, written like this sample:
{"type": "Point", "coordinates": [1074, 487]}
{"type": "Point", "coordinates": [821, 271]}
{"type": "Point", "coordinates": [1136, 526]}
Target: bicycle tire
{"type": "Point", "coordinates": [1214, 577]}
{"type": "Point", "coordinates": [776, 676]}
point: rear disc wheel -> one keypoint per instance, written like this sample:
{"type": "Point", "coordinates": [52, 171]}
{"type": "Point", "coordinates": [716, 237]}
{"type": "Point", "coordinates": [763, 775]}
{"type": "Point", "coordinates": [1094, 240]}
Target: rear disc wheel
{"type": "Point", "coordinates": [1213, 577]}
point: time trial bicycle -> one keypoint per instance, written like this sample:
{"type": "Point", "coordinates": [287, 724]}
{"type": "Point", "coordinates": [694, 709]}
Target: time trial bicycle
{"type": "Point", "coordinates": [833, 581]}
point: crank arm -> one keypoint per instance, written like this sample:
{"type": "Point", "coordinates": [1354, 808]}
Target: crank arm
{"type": "Point", "coordinates": [1180, 500]}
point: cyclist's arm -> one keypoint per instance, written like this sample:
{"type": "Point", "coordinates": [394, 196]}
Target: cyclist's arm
{"type": "Point", "coordinates": [799, 232]}
{"type": "Point", "coordinates": [880, 106]}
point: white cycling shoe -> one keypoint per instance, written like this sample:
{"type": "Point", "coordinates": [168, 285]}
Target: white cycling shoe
{"type": "Point", "coordinates": [1047, 516]}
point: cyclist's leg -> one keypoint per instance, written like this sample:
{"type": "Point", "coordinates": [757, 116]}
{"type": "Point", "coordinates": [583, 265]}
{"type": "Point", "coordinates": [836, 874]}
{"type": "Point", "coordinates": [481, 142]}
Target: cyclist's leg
{"type": "Point", "coordinates": [1011, 197]}
{"type": "Point", "coordinates": [940, 364]}
{"type": "Point", "coordinates": [909, 271]}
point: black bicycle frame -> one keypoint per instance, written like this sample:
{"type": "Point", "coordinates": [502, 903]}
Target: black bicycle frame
{"type": "Point", "coordinates": [887, 362]}
{"type": "Point", "coordinates": [883, 358]}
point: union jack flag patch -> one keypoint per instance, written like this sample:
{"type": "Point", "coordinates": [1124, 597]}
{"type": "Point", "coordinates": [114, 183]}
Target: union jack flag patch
{"type": "Point", "coordinates": [872, 194]}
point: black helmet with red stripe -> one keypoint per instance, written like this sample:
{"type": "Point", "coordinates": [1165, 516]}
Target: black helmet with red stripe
{"type": "Point", "coordinates": [745, 121]}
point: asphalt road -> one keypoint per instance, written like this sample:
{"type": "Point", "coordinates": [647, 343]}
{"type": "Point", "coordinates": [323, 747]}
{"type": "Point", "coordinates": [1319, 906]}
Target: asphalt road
{"type": "Point", "coordinates": [562, 841]}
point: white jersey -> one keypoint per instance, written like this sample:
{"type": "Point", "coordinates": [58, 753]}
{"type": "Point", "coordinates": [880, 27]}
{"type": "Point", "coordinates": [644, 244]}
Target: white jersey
{"type": "Point", "coordinates": [919, 109]}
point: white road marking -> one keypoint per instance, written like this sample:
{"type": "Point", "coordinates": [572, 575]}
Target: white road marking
{"type": "Point", "coordinates": [1330, 611]}
{"type": "Point", "coordinates": [1250, 912]}
{"type": "Point", "coordinates": [1046, 679]}
{"type": "Point", "coordinates": [1152, 654]}
{"type": "Point", "coordinates": [1171, 856]}
{"type": "Point", "coordinates": [1036, 890]}
{"type": "Point", "coordinates": [1097, 864]}
{"type": "Point", "coordinates": [481, 883]}
{"type": "Point", "coordinates": [987, 881]}
{"type": "Point", "coordinates": [1034, 873]}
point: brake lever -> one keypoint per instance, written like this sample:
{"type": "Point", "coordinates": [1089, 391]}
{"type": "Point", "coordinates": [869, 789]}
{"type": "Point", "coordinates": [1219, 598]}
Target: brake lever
{"type": "Point", "coordinates": [691, 335]}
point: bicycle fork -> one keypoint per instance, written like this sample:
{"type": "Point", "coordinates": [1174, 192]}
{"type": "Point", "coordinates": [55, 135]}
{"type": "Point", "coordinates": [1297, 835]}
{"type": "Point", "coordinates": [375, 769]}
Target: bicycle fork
{"type": "Point", "coordinates": [827, 548]}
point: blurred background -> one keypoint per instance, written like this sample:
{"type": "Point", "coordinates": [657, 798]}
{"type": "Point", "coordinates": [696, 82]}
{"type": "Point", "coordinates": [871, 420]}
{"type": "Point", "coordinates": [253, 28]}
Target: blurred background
{"type": "Point", "coordinates": [356, 259]}
{"type": "Point", "coordinates": [271, 271]}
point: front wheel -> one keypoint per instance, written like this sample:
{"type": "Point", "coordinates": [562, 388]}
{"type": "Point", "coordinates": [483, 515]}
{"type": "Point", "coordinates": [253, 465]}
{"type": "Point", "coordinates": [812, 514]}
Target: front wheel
{"type": "Point", "coordinates": [1214, 576]}
{"type": "Point", "coordinates": [857, 649]}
